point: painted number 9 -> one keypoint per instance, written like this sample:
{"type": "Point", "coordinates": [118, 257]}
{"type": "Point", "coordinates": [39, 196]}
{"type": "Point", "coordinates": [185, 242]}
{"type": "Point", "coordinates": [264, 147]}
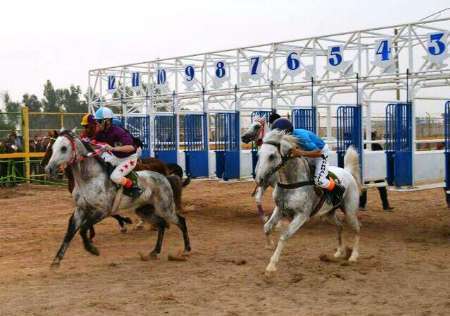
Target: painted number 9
{"type": "Point", "coordinates": [292, 61]}
{"type": "Point", "coordinates": [220, 69]}
{"type": "Point", "coordinates": [189, 71]}
{"type": "Point", "coordinates": [335, 56]}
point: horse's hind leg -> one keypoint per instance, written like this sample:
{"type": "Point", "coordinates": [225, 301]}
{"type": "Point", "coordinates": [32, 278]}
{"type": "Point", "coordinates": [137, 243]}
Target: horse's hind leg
{"type": "Point", "coordinates": [353, 221]}
{"type": "Point", "coordinates": [75, 221]}
{"type": "Point", "coordinates": [258, 198]}
{"type": "Point", "coordinates": [183, 227]}
{"type": "Point", "coordinates": [339, 227]}
{"type": "Point", "coordinates": [296, 223]}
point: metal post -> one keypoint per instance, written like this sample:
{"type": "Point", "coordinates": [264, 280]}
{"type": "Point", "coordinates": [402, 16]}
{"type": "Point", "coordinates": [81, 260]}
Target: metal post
{"type": "Point", "coordinates": [26, 140]}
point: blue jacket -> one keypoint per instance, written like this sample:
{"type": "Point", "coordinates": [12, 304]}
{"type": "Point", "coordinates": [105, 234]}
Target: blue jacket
{"type": "Point", "coordinates": [308, 140]}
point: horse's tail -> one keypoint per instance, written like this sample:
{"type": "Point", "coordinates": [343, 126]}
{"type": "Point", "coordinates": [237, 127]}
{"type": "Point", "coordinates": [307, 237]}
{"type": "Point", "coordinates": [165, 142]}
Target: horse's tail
{"type": "Point", "coordinates": [351, 164]}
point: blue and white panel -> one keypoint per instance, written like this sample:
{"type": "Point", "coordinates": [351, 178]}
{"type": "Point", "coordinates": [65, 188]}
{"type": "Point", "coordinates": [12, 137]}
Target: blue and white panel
{"type": "Point", "coordinates": [437, 47]}
{"type": "Point", "coordinates": [161, 77]}
{"type": "Point", "coordinates": [383, 53]}
{"type": "Point", "coordinates": [136, 80]}
{"type": "Point", "coordinates": [112, 84]}
{"type": "Point", "coordinates": [255, 66]}
{"type": "Point", "coordinates": [293, 63]}
{"type": "Point", "coordinates": [220, 72]}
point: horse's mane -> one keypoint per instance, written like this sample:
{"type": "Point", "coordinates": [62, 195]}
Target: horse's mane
{"type": "Point", "coordinates": [276, 136]}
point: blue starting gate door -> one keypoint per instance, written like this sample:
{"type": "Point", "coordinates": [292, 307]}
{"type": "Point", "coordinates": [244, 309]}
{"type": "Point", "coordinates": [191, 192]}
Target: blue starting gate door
{"type": "Point", "coordinates": [447, 151]}
{"type": "Point", "coordinates": [227, 145]}
{"type": "Point", "coordinates": [399, 144]}
{"type": "Point", "coordinates": [255, 114]}
{"type": "Point", "coordinates": [349, 120]}
{"type": "Point", "coordinates": [139, 126]}
{"type": "Point", "coordinates": [305, 118]}
{"type": "Point", "coordinates": [196, 143]}
{"type": "Point", "coordinates": [165, 142]}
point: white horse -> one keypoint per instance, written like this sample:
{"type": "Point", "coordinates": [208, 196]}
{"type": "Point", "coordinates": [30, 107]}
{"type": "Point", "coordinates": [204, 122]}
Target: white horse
{"type": "Point", "coordinates": [296, 197]}
{"type": "Point", "coordinates": [255, 133]}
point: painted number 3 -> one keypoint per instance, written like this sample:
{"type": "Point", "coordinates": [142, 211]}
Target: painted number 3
{"type": "Point", "coordinates": [436, 44]}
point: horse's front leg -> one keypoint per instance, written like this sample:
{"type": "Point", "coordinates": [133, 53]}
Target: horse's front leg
{"type": "Point", "coordinates": [296, 223]}
{"type": "Point", "coordinates": [90, 221]}
{"type": "Point", "coordinates": [269, 225]}
{"type": "Point", "coordinates": [123, 221]}
{"type": "Point", "coordinates": [75, 221]}
{"type": "Point", "coordinates": [258, 198]}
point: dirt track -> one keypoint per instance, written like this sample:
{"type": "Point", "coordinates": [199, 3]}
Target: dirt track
{"type": "Point", "coordinates": [404, 267]}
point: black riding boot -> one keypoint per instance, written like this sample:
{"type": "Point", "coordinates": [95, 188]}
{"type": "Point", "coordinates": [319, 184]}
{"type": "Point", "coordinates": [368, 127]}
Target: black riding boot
{"type": "Point", "coordinates": [338, 193]}
{"type": "Point", "coordinates": [133, 192]}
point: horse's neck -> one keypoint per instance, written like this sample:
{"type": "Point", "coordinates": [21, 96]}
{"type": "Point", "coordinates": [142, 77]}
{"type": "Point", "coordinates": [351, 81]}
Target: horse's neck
{"type": "Point", "coordinates": [85, 169]}
{"type": "Point", "coordinates": [295, 170]}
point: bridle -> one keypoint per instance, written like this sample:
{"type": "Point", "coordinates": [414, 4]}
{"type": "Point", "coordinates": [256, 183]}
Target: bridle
{"type": "Point", "coordinates": [285, 159]}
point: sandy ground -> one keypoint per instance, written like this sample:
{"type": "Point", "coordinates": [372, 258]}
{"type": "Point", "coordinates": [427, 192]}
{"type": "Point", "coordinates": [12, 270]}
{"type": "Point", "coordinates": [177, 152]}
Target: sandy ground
{"type": "Point", "coordinates": [404, 267]}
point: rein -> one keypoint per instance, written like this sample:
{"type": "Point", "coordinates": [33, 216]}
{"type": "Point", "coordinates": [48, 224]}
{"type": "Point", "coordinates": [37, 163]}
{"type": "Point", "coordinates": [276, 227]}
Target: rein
{"type": "Point", "coordinates": [284, 159]}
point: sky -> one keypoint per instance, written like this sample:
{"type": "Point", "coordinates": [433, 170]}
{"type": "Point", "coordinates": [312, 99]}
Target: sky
{"type": "Point", "coordinates": [62, 40]}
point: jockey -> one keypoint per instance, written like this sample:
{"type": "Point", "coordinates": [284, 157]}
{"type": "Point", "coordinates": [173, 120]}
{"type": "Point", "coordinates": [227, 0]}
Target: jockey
{"type": "Point", "coordinates": [120, 150]}
{"type": "Point", "coordinates": [313, 147]}
{"type": "Point", "coordinates": [89, 127]}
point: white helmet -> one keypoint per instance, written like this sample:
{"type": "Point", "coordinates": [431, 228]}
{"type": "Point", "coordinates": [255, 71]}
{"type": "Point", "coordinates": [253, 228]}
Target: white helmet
{"type": "Point", "coordinates": [103, 113]}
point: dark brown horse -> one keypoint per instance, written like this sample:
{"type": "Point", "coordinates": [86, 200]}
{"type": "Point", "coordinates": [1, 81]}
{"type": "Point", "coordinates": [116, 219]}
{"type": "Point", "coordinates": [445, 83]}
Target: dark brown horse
{"type": "Point", "coordinates": [173, 172]}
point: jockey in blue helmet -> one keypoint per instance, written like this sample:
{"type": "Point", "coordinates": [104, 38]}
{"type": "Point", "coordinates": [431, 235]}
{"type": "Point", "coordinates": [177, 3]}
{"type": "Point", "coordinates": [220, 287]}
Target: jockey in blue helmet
{"type": "Point", "coordinates": [313, 147]}
{"type": "Point", "coordinates": [121, 150]}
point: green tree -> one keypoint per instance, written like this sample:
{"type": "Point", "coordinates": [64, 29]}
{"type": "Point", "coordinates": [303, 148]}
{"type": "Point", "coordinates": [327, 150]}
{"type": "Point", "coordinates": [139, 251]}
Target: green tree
{"type": "Point", "coordinates": [33, 103]}
{"type": "Point", "coordinates": [50, 101]}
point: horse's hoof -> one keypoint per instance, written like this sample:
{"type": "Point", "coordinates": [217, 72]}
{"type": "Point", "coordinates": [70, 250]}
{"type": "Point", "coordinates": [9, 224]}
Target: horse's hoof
{"type": "Point", "coordinates": [55, 264]}
{"type": "Point", "coordinates": [123, 230]}
{"type": "Point", "coordinates": [144, 257]}
{"type": "Point", "coordinates": [178, 257]}
{"type": "Point", "coordinates": [270, 274]}
{"type": "Point", "coordinates": [154, 256]}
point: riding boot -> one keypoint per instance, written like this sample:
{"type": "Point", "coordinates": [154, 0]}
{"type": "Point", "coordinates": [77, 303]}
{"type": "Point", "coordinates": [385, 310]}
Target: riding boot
{"type": "Point", "coordinates": [338, 193]}
{"type": "Point", "coordinates": [384, 199]}
{"type": "Point", "coordinates": [133, 192]}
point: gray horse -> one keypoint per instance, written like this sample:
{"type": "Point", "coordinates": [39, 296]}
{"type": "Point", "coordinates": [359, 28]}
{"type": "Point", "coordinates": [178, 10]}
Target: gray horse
{"type": "Point", "coordinates": [296, 197]}
{"type": "Point", "coordinates": [255, 133]}
{"type": "Point", "coordinates": [96, 197]}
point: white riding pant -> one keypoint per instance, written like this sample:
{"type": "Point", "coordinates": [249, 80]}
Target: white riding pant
{"type": "Point", "coordinates": [123, 165]}
{"type": "Point", "coordinates": [321, 172]}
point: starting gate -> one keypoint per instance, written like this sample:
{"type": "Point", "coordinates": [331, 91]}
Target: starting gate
{"type": "Point", "coordinates": [255, 114]}
{"type": "Point", "coordinates": [196, 145]}
{"type": "Point", "coordinates": [227, 145]}
{"type": "Point", "coordinates": [305, 118]}
{"type": "Point", "coordinates": [165, 142]}
{"type": "Point", "coordinates": [447, 151]}
{"type": "Point", "coordinates": [349, 119]}
{"type": "Point", "coordinates": [399, 144]}
{"type": "Point", "coordinates": [139, 126]}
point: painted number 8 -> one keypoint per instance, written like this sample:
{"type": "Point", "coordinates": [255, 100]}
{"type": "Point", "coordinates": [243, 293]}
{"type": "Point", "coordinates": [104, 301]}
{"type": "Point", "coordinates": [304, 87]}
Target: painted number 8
{"type": "Point", "coordinates": [220, 69]}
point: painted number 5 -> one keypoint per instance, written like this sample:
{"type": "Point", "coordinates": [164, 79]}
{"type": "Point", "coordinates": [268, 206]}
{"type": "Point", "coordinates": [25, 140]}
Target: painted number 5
{"type": "Point", "coordinates": [335, 56]}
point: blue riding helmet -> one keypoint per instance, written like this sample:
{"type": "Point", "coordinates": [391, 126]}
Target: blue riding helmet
{"type": "Point", "coordinates": [283, 124]}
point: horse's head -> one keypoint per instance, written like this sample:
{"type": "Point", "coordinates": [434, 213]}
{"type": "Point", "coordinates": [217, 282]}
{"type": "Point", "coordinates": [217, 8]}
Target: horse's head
{"type": "Point", "coordinates": [62, 152]}
{"type": "Point", "coordinates": [274, 152]}
{"type": "Point", "coordinates": [256, 131]}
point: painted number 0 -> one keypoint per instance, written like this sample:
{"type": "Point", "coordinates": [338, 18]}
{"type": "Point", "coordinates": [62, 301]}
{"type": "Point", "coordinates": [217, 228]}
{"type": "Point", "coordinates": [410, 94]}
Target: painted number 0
{"type": "Point", "coordinates": [162, 77]}
{"type": "Point", "coordinates": [220, 69]}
